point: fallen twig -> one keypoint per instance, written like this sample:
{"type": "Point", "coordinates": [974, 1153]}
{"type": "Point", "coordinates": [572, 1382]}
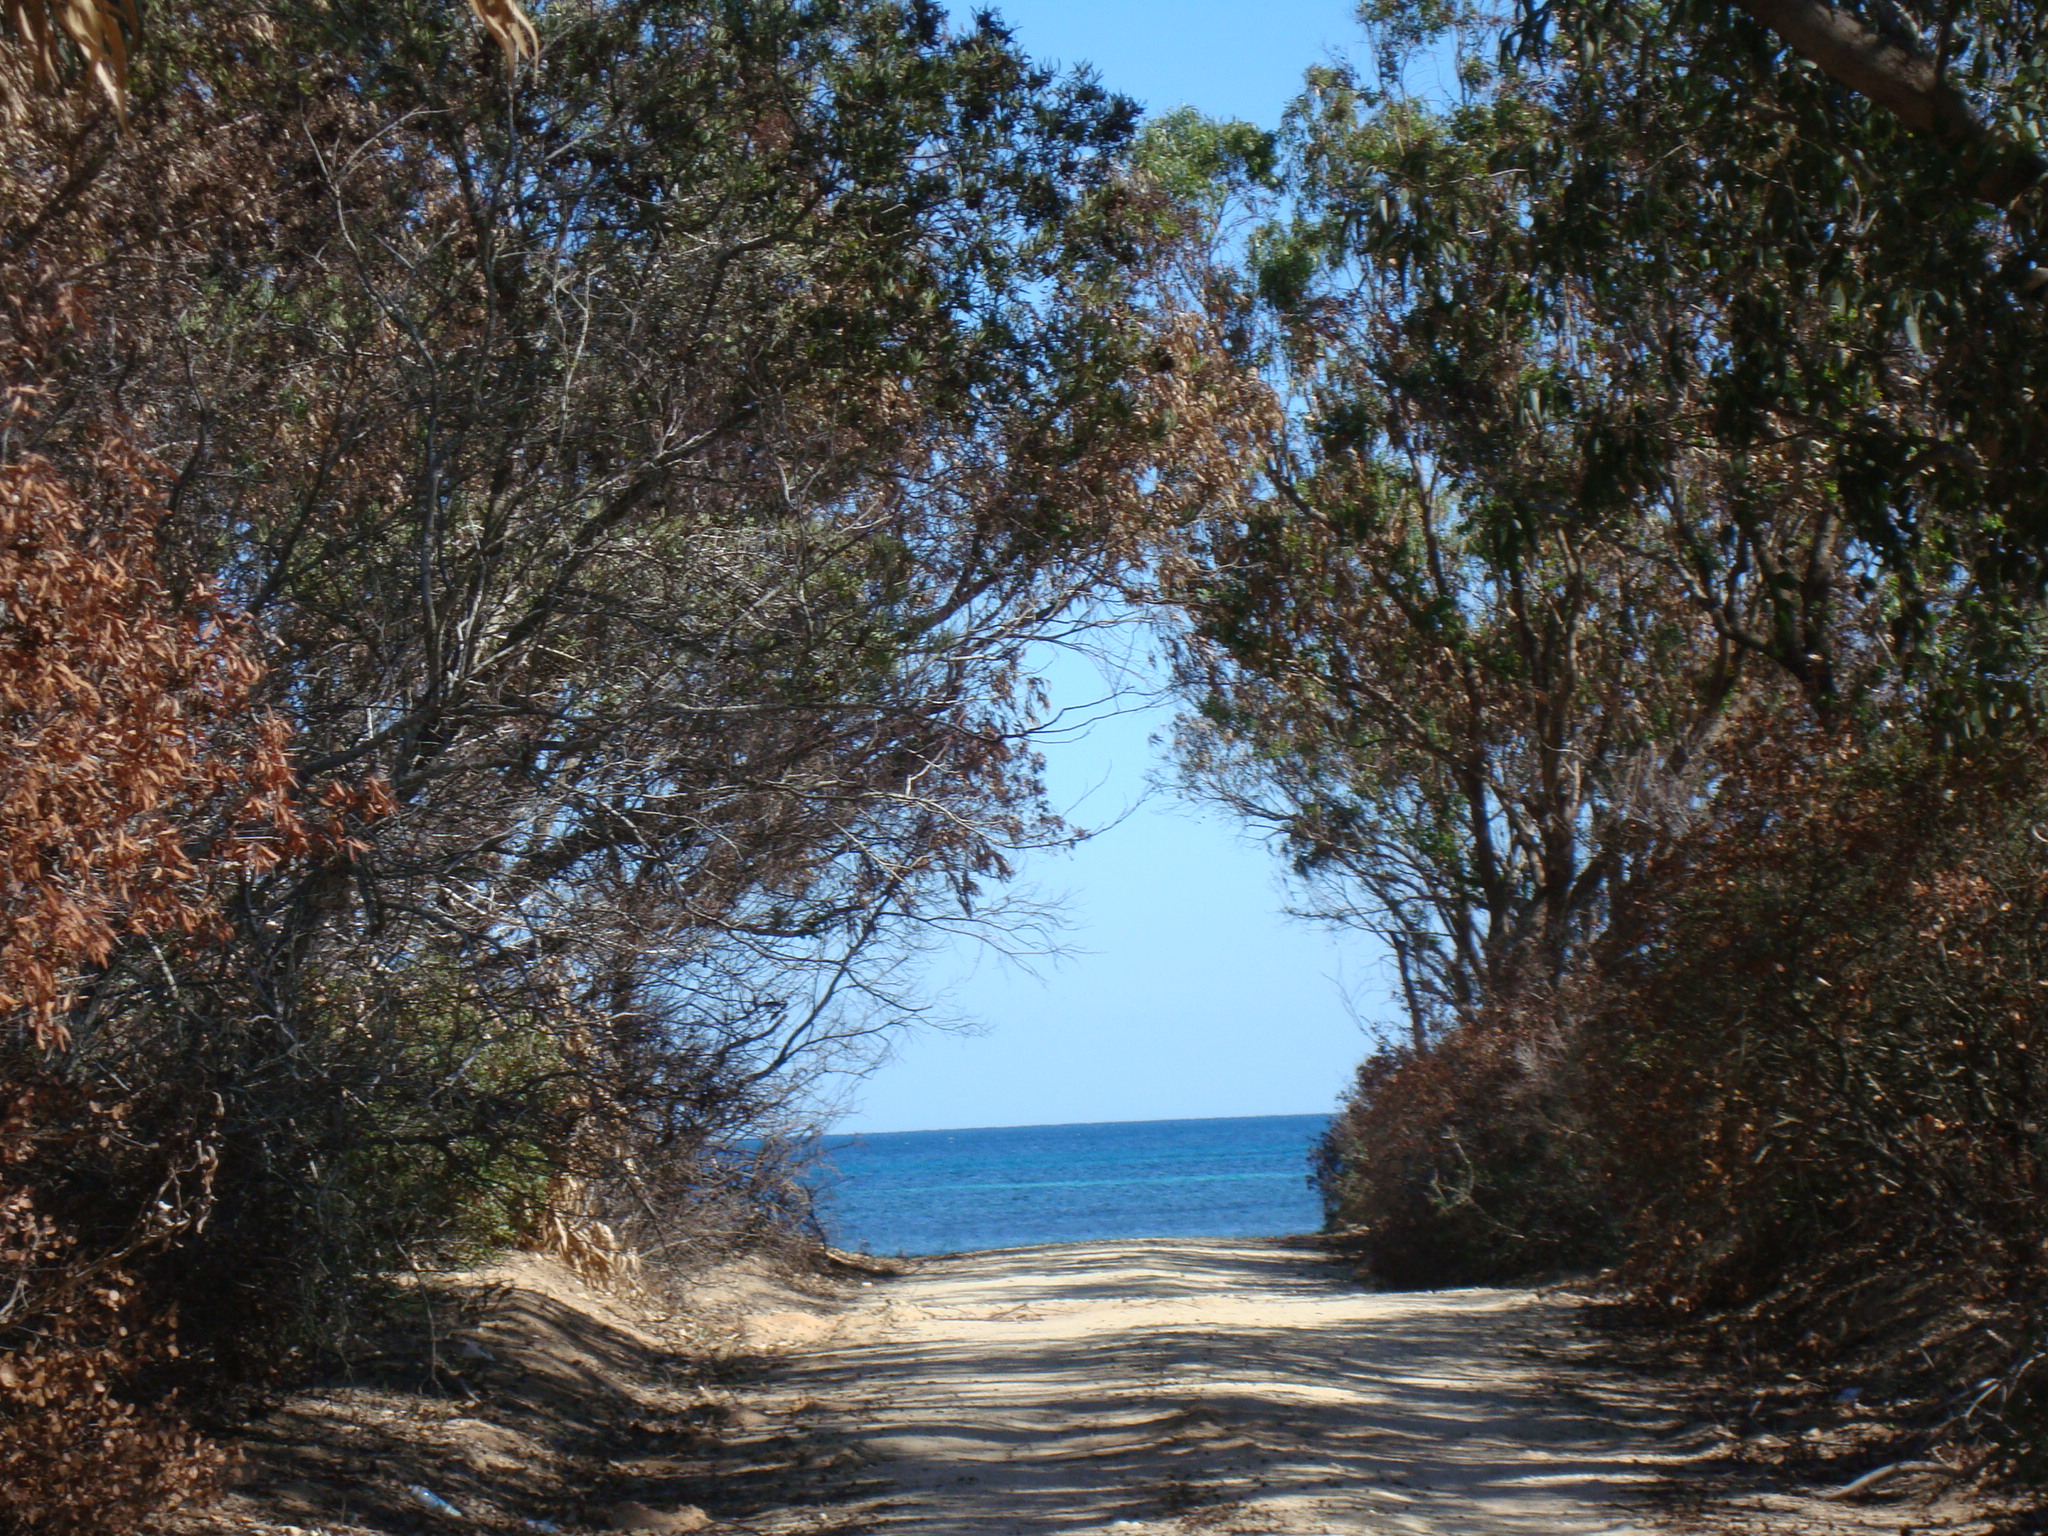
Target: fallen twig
{"type": "Point", "coordinates": [1877, 1475]}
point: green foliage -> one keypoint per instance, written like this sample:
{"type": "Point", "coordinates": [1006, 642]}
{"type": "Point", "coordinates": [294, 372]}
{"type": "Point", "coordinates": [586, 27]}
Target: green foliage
{"type": "Point", "coordinates": [1445, 648]}
{"type": "Point", "coordinates": [1203, 162]}
{"type": "Point", "coordinates": [463, 1119]}
{"type": "Point", "coordinates": [643, 476]}
{"type": "Point", "coordinates": [1660, 245]}
{"type": "Point", "coordinates": [1860, 301]}
{"type": "Point", "coordinates": [1638, 628]}
{"type": "Point", "coordinates": [1672, 342]}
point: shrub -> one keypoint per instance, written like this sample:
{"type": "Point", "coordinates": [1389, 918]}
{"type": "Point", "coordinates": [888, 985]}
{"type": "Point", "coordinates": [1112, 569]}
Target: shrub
{"type": "Point", "coordinates": [89, 1439]}
{"type": "Point", "coordinates": [1463, 1164]}
{"type": "Point", "coordinates": [133, 776]}
{"type": "Point", "coordinates": [1814, 1061]}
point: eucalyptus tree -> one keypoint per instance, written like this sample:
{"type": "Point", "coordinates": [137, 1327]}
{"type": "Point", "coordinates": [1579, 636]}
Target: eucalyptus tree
{"type": "Point", "coordinates": [1656, 370]}
{"type": "Point", "coordinates": [1852, 195]}
{"type": "Point", "coordinates": [1436, 648]}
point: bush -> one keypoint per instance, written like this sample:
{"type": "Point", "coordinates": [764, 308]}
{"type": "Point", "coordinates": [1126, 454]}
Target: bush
{"type": "Point", "coordinates": [1463, 1164]}
{"type": "Point", "coordinates": [134, 778]}
{"type": "Point", "coordinates": [1815, 1064]}
{"type": "Point", "coordinates": [1796, 1097]}
{"type": "Point", "coordinates": [90, 1440]}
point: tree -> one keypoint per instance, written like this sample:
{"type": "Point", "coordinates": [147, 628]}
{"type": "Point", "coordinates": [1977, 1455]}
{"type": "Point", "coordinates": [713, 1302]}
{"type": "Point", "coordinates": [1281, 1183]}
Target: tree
{"type": "Point", "coordinates": [101, 33]}
{"type": "Point", "coordinates": [646, 488]}
{"type": "Point", "coordinates": [1585, 357]}
{"type": "Point", "coordinates": [1656, 383]}
{"type": "Point", "coordinates": [1462, 646]}
{"type": "Point", "coordinates": [1889, 62]}
{"type": "Point", "coordinates": [1865, 307]}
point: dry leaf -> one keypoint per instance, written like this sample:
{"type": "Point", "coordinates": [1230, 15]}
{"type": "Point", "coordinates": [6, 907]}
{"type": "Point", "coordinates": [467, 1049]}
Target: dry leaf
{"type": "Point", "coordinates": [505, 21]}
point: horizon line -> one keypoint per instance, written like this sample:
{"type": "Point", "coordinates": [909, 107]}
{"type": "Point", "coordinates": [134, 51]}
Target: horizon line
{"type": "Point", "coordinates": [1060, 1125]}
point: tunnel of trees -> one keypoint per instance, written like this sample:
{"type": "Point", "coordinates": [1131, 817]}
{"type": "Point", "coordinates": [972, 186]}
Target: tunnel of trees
{"type": "Point", "coordinates": [523, 543]}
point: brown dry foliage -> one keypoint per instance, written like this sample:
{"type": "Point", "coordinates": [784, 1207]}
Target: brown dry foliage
{"type": "Point", "coordinates": [1794, 1095]}
{"type": "Point", "coordinates": [78, 1453]}
{"type": "Point", "coordinates": [133, 777]}
{"type": "Point", "coordinates": [102, 32]}
{"type": "Point", "coordinates": [125, 713]}
{"type": "Point", "coordinates": [1818, 1052]}
{"type": "Point", "coordinates": [1462, 1163]}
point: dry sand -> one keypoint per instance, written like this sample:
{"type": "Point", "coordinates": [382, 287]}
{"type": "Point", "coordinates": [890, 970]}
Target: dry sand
{"type": "Point", "coordinates": [1242, 1386]}
{"type": "Point", "coordinates": [1163, 1388]}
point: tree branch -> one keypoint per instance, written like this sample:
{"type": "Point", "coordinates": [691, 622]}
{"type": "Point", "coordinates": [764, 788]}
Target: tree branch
{"type": "Point", "coordinates": [1906, 82]}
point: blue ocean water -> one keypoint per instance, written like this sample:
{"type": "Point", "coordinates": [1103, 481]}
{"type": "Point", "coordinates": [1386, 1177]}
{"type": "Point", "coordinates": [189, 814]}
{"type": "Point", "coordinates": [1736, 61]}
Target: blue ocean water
{"type": "Point", "coordinates": [950, 1191]}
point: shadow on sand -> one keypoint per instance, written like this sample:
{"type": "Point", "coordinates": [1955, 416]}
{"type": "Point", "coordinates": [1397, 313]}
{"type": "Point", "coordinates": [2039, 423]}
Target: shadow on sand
{"type": "Point", "coordinates": [1227, 1386]}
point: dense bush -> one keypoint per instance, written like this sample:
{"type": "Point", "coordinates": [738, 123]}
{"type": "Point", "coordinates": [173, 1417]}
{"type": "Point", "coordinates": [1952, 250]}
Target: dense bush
{"type": "Point", "coordinates": [1794, 1100]}
{"type": "Point", "coordinates": [1465, 1163]}
{"type": "Point", "coordinates": [91, 1437]}
{"type": "Point", "coordinates": [1818, 1050]}
{"type": "Point", "coordinates": [136, 783]}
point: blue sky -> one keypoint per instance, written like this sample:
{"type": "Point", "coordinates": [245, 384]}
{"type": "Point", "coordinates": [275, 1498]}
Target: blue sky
{"type": "Point", "coordinates": [1229, 58]}
{"type": "Point", "coordinates": [1185, 991]}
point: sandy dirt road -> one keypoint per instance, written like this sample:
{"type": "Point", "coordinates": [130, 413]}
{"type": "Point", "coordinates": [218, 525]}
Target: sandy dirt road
{"type": "Point", "coordinates": [1160, 1388]}
{"type": "Point", "coordinates": [1176, 1386]}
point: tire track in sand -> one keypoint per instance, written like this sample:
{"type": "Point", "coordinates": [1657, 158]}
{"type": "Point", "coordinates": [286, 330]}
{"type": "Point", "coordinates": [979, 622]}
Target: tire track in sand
{"type": "Point", "coordinates": [1170, 1386]}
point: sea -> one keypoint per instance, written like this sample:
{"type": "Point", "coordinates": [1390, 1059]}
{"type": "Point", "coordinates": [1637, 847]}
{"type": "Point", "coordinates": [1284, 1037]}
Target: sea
{"type": "Point", "coordinates": [926, 1192]}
